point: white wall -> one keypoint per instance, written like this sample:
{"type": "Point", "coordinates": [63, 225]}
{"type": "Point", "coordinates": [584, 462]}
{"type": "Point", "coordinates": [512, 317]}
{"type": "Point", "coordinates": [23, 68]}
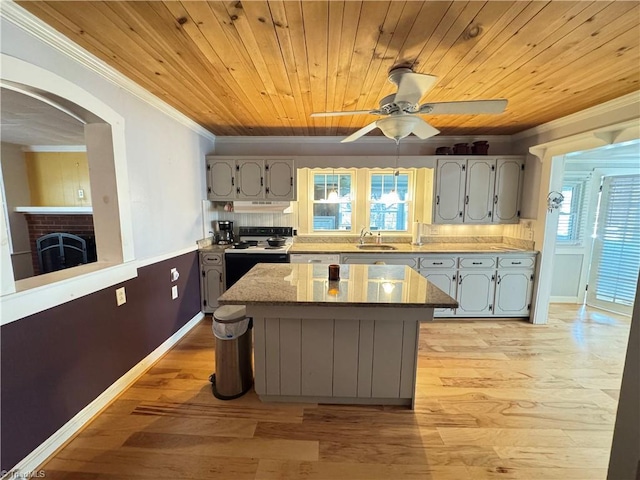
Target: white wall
{"type": "Point", "coordinates": [159, 161]}
{"type": "Point", "coordinates": [16, 194]}
{"type": "Point", "coordinates": [165, 159]}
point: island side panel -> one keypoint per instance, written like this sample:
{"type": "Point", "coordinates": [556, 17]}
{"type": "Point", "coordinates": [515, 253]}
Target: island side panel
{"type": "Point", "coordinates": [387, 359]}
{"type": "Point", "coordinates": [272, 355]}
{"type": "Point", "coordinates": [345, 358]}
{"type": "Point", "coordinates": [290, 356]}
{"type": "Point", "coordinates": [317, 357]}
{"type": "Point", "coordinates": [410, 334]}
{"type": "Point", "coordinates": [259, 355]}
{"type": "Point", "coordinates": [365, 359]}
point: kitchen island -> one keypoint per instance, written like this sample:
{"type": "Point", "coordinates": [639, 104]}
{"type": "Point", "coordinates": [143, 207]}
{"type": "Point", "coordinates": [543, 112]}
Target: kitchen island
{"type": "Point", "coordinates": [352, 341]}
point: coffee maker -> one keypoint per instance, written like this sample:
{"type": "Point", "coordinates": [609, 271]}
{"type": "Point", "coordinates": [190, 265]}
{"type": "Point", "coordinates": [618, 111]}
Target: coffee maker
{"type": "Point", "coordinates": [223, 230]}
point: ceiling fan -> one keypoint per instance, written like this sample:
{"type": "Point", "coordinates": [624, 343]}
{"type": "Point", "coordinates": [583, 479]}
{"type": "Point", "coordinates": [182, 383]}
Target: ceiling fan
{"type": "Point", "coordinates": [401, 109]}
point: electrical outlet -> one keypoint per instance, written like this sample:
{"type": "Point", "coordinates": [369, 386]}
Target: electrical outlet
{"type": "Point", "coordinates": [121, 296]}
{"type": "Point", "coordinates": [80, 193]}
{"type": "Point", "coordinates": [174, 292]}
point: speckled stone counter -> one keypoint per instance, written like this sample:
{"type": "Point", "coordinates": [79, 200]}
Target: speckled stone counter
{"type": "Point", "coordinates": [386, 286]}
{"type": "Point", "coordinates": [406, 248]}
{"type": "Point", "coordinates": [354, 341]}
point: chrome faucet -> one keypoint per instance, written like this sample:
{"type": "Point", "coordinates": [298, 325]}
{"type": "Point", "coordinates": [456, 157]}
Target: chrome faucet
{"type": "Point", "coordinates": [363, 233]}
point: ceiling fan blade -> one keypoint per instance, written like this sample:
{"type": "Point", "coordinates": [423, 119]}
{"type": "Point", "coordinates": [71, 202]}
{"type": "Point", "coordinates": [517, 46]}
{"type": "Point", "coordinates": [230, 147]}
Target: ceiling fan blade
{"type": "Point", "coordinates": [363, 131]}
{"type": "Point", "coordinates": [423, 130]}
{"type": "Point", "coordinates": [469, 107]}
{"type": "Point", "coordinates": [339, 114]}
{"type": "Point", "coordinates": [412, 86]}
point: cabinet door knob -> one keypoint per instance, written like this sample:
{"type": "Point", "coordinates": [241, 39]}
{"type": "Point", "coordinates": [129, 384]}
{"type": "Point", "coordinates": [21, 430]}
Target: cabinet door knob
{"type": "Point", "coordinates": [460, 214]}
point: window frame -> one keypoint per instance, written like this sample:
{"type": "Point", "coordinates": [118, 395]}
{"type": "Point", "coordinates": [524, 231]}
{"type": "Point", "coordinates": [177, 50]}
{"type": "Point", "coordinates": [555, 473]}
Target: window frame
{"type": "Point", "coordinates": [312, 201]}
{"type": "Point", "coordinates": [577, 211]}
{"type": "Point", "coordinates": [408, 201]}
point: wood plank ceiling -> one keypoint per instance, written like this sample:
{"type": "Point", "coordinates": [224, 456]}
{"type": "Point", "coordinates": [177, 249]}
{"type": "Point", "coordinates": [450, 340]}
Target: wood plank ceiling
{"type": "Point", "coordinates": [261, 67]}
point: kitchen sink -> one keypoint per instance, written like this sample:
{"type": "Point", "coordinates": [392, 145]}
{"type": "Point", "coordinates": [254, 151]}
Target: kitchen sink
{"type": "Point", "coordinates": [375, 246]}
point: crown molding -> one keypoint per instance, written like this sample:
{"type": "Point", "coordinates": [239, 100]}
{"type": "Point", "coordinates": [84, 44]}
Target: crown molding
{"type": "Point", "coordinates": [445, 140]}
{"type": "Point", "coordinates": [630, 99]}
{"type": "Point", "coordinates": [32, 25]}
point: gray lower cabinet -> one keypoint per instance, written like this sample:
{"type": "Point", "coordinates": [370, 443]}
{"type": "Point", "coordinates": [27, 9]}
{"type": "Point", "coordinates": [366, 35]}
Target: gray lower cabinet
{"type": "Point", "coordinates": [212, 280]}
{"type": "Point", "coordinates": [483, 285]}
{"type": "Point", "coordinates": [514, 285]}
{"type": "Point", "coordinates": [475, 293]}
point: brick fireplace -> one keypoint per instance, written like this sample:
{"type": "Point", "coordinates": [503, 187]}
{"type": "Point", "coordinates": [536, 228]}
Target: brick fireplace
{"type": "Point", "coordinates": [43, 224]}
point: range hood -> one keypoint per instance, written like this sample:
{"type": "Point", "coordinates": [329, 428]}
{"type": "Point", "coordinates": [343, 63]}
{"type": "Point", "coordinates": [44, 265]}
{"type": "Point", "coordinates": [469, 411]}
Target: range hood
{"type": "Point", "coordinates": [262, 206]}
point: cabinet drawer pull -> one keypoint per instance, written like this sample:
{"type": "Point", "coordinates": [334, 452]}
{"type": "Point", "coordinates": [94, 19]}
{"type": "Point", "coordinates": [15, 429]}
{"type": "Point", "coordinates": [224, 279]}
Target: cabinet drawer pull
{"type": "Point", "coordinates": [499, 278]}
{"type": "Point", "coordinates": [261, 181]}
{"type": "Point", "coordinates": [460, 280]}
{"type": "Point", "coordinates": [476, 263]}
{"type": "Point", "coordinates": [437, 263]}
{"type": "Point", "coordinates": [437, 199]}
{"type": "Point", "coordinates": [466, 200]}
{"type": "Point", "coordinates": [516, 263]}
{"type": "Point", "coordinates": [495, 200]}
{"type": "Point", "coordinates": [291, 181]}
{"type": "Point", "coordinates": [233, 182]}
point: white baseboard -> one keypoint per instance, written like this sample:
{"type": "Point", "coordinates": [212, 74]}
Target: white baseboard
{"type": "Point", "coordinates": [563, 300]}
{"type": "Point", "coordinates": [31, 462]}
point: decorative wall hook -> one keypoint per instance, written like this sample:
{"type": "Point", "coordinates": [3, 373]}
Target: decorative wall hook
{"type": "Point", "coordinates": [554, 200]}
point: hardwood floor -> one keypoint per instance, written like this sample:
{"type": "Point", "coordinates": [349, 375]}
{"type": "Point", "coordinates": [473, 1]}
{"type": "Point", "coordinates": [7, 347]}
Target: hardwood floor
{"type": "Point", "coordinates": [496, 400]}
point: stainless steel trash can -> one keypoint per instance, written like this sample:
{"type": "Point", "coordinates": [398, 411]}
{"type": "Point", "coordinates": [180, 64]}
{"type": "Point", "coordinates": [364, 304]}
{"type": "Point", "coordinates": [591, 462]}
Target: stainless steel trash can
{"type": "Point", "coordinates": [234, 372]}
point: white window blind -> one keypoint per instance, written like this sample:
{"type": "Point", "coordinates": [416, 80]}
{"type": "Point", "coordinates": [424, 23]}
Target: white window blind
{"type": "Point", "coordinates": [617, 253]}
{"type": "Point", "coordinates": [572, 220]}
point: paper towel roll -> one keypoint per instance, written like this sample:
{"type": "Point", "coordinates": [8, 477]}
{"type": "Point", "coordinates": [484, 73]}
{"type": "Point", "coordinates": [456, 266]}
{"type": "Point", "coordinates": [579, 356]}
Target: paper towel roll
{"type": "Point", "coordinates": [415, 233]}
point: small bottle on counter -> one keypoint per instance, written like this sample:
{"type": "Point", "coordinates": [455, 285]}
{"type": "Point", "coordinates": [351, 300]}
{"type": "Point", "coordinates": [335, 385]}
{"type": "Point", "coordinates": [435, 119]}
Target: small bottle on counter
{"type": "Point", "coordinates": [379, 239]}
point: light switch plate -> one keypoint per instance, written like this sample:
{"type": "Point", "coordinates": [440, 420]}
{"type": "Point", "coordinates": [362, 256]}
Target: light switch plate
{"type": "Point", "coordinates": [174, 292]}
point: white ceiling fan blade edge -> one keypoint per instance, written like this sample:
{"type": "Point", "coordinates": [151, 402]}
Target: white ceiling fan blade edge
{"type": "Point", "coordinates": [340, 114]}
{"type": "Point", "coordinates": [413, 86]}
{"type": "Point", "coordinates": [423, 130]}
{"type": "Point", "coordinates": [465, 107]}
{"type": "Point", "coordinates": [359, 133]}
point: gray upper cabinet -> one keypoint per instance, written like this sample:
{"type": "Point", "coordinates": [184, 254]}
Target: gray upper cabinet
{"type": "Point", "coordinates": [250, 178]}
{"type": "Point", "coordinates": [450, 188]}
{"type": "Point", "coordinates": [221, 179]}
{"type": "Point", "coordinates": [280, 179]}
{"type": "Point", "coordinates": [478, 190]}
{"type": "Point", "coordinates": [509, 175]}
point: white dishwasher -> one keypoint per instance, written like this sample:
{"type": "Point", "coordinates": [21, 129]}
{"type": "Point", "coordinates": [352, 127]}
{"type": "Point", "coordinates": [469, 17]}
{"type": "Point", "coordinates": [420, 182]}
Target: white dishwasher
{"type": "Point", "coordinates": [320, 258]}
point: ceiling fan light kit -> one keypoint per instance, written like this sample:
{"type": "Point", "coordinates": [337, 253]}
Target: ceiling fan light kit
{"type": "Point", "coordinates": [402, 108]}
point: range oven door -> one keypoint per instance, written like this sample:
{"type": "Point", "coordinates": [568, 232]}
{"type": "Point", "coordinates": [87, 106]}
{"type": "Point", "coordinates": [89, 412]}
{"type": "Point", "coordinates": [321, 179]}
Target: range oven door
{"type": "Point", "coordinates": [237, 264]}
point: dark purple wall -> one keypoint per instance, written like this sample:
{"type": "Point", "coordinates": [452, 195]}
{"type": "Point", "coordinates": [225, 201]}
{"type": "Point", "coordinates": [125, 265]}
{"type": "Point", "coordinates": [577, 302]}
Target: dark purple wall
{"type": "Point", "coordinates": [56, 362]}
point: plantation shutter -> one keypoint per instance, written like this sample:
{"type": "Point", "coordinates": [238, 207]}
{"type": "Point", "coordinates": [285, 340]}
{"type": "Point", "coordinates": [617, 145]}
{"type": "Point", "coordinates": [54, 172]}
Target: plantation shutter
{"type": "Point", "coordinates": [572, 221]}
{"type": "Point", "coordinates": [616, 258]}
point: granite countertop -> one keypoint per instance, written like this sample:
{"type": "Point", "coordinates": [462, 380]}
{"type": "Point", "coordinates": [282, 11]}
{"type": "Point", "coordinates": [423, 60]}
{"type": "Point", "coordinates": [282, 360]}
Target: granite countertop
{"type": "Point", "coordinates": [304, 247]}
{"type": "Point", "coordinates": [284, 284]}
